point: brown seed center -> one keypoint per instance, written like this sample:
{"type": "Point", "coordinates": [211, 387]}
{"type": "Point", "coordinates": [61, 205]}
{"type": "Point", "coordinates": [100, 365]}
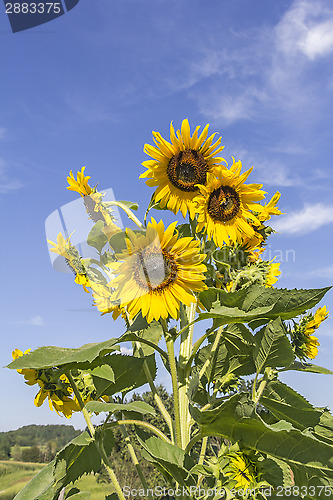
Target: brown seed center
{"type": "Point", "coordinates": [155, 269]}
{"type": "Point", "coordinates": [186, 169]}
{"type": "Point", "coordinates": [223, 204]}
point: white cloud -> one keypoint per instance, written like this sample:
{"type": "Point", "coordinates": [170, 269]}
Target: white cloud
{"type": "Point", "coordinates": [126, 350]}
{"type": "Point", "coordinates": [2, 132]}
{"type": "Point", "coordinates": [305, 28]}
{"type": "Point", "coordinates": [310, 218]}
{"type": "Point", "coordinates": [34, 321]}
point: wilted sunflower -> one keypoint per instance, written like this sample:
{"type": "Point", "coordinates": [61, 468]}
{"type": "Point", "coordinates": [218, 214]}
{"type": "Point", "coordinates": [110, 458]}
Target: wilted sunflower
{"type": "Point", "coordinates": [158, 271]}
{"type": "Point", "coordinates": [53, 386]}
{"type": "Point", "coordinates": [227, 207]}
{"type": "Point", "coordinates": [179, 166]}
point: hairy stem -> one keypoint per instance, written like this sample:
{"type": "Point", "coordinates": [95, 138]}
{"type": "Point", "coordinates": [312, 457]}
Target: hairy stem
{"type": "Point", "coordinates": [186, 341]}
{"type": "Point", "coordinates": [128, 212]}
{"type": "Point", "coordinates": [141, 423]}
{"type": "Point", "coordinates": [174, 377]}
{"type": "Point", "coordinates": [99, 444]}
{"type": "Point", "coordinates": [164, 412]}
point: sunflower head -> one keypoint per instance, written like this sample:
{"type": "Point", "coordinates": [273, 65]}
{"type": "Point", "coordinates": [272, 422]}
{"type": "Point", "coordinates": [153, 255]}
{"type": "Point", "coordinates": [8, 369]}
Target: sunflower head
{"type": "Point", "coordinates": [80, 184]}
{"type": "Point", "coordinates": [241, 470]}
{"type": "Point", "coordinates": [304, 342]}
{"type": "Point", "coordinates": [272, 275]}
{"type": "Point", "coordinates": [180, 165]}
{"type": "Point", "coordinates": [227, 207]}
{"type": "Point", "coordinates": [158, 271]}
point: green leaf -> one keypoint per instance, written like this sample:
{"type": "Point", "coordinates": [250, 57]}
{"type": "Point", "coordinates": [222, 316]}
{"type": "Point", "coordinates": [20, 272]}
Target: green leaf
{"type": "Point", "coordinates": [272, 348]}
{"type": "Point", "coordinates": [237, 421]}
{"type": "Point", "coordinates": [103, 371]}
{"type": "Point", "coordinates": [308, 367]}
{"type": "Point", "coordinates": [240, 344]}
{"type": "Point", "coordinates": [42, 483]}
{"type": "Point", "coordinates": [96, 238]}
{"type": "Point", "coordinates": [137, 407]}
{"type": "Point", "coordinates": [276, 472]}
{"type": "Point", "coordinates": [226, 315]}
{"type": "Point", "coordinates": [274, 302]}
{"type": "Point", "coordinates": [81, 495]}
{"type": "Point", "coordinates": [286, 404]}
{"type": "Point", "coordinates": [149, 339]}
{"type": "Point", "coordinates": [324, 429]}
{"type": "Point", "coordinates": [129, 374]}
{"type": "Point", "coordinates": [129, 204]}
{"type": "Point", "coordinates": [172, 461]}
{"type": "Point", "coordinates": [48, 356]}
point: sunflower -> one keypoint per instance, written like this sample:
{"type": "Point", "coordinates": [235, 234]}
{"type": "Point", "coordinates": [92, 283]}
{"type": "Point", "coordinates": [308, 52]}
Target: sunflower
{"type": "Point", "coordinates": [304, 342]}
{"type": "Point", "coordinates": [270, 208]}
{"type": "Point", "coordinates": [80, 184]}
{"type": "Point", "coordinates": [104, 300]}
{"type": "Point", "coordinates": [53, 386]}
{"type": "Point", "coordinates": [73, 259]}
{"type": "Point", "coordinates": [272, 274]}
{"type": "Point", "coordinates": [178, 167]}
{"type": "Point", "coordinates": [158, 271]}
{"type": "Point", "coordinates": [241, 470]}
{"type": "Point", "coordinates": [226, 206]}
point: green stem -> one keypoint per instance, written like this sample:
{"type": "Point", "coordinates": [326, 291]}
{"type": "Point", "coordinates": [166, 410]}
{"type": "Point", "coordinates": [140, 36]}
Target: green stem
{"type": "Point", "coordinates": [135, 459]}
{"type": "Point", "coordinates": [186, 341]}
{"type": "Point", "coordinates": [174, 377]}
{"type": "Point", "coordinates": [164, 412]}
{"type": "Point", "coordinates": [141, 423]}
{"type": "Point", "coordinates": [212, 353]}
{"type": "Point", "coordinates": [99, 445]}
{"type": "Point", "coordinates": [128, 212]}
{"type": "Point", "coordinates": [203, 450]}
{"type": "Point", "coordinates": [193, 441]}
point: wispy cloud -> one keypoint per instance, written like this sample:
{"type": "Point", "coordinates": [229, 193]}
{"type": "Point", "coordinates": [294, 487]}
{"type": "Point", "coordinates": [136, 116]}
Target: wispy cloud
{"type": "Point", "coordinates": [307, 27]}
{"type": "Point", "coordinates": [7, 185]}
{"type": "Point", "coordinates": [310, 218]}
{"type": "Point", "coordinates": [34, 321]}
{"type": "Point", "coordinates": [2, 132]}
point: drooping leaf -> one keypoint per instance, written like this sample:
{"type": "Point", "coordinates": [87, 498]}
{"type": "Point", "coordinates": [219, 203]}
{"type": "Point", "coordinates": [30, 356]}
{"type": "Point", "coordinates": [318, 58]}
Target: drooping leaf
{"type": "Point", "coordinates": [48, 356]}
{"type": "Point", "coordinates": [236, 420]}
{"type": "Point", "coordinates": [276, 472]}
{"type": "Point", "coordinates": [137, 407]}
{"type": "Point", "coordinates": [129, 204]}
{"type": "Point", "coordinates": [172, 461]}
{"type": "Point", "coordinates": [308, 367]}
{"type": "Point", "coordinates": [129, 374]}
{"type": "Point", "coordinates": [96, 237]}
{"type": "Point", "coordinates": [272, 348]}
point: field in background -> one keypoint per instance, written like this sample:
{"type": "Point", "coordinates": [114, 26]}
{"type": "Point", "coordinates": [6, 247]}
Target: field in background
{"type": "Point", "coordinates": [14, 476]}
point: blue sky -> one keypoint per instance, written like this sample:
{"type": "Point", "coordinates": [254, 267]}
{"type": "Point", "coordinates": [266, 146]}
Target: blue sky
{"type": "Point", "coordinates": [89, 87]}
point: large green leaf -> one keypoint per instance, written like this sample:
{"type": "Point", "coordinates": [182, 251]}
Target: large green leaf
{"type": "Point", "coordinates": [96, 237]}
{"type": "Point", "coordinates": [272, 348]}
{"type": "Point", "coordinates": [81, 357]}
{"type": "Point", "coordinates": [268, 302]}
{"type": "Point", "coordinates": [78, 457]}
{"type": "Point", "coordinates": [308, 367]}
{"type": "Point", "coordinates": [137, 407]}
{"type": "Point", "coordinates": [237, 421]}
{"type": "Point", "coordinates": [172, 461]}
{"type": "Point", "coordinates": [129, 374]}
{"type": "Point", "coordinates": [42, 483]}
{"type": "Point", "coordinates": [286, 404]}
{"type": "Point", "coordinates": [223, 315]}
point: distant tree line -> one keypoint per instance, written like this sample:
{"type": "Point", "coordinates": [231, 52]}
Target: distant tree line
{"type": "Point", "coordinates": [35, 443]}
